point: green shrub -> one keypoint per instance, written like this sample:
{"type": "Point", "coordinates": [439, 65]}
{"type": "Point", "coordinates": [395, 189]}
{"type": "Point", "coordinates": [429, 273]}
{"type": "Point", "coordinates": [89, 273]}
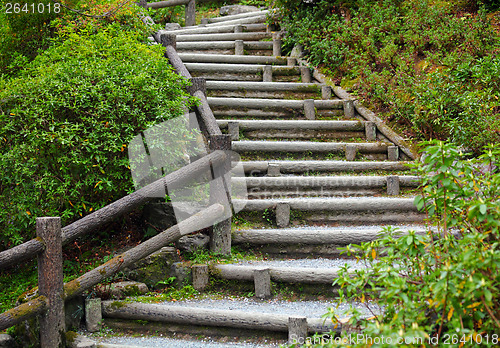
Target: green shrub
{"type": "Point", "coordinates": [66, 120]}
{"type": "Point", "coordinates": [444, 284]}
{"type": "Point", "coordinates": [426, 65]}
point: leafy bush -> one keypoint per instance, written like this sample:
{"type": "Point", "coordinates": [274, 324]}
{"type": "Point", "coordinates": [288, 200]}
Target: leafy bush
{"type": "Point", "coordinates": [25, 33]}
{"type": "Point", "coordinates": [444, 284]}
{"type": "Point", "coordinates": [65, 123]}
{"type": "Point", "coordinates": [427, 65]}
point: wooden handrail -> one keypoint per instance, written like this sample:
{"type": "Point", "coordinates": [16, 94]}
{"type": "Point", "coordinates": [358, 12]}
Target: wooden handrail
{"type": "Point", "coordinates": [23, 312]}
{"type": "Point", "coordinates": [190, 10]}
{"type": "Point", "coordinates": [123, 205]}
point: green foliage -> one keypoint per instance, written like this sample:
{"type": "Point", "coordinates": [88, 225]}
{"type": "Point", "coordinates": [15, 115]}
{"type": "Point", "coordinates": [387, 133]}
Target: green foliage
{"type": "Point", "coordinates": [427, 65]}
{"type": "Point", "coordinates": [445, 283]}
{"type": "Point", "coordinates": [65, 123]}
{"type": "Point", "coordinates": [24, 34]}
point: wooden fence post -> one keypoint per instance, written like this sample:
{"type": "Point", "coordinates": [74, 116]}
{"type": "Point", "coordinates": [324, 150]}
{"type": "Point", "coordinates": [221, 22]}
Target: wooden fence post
{"type": "Point", "coordinates": [220, 192]}
{"type": "Point", "coordinates": [190, 13]}
{"type": "Point", "coordinates": [50, 282]}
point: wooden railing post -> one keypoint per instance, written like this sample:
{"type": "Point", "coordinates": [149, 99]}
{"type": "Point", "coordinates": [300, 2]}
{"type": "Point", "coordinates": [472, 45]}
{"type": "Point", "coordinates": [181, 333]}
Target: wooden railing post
{"type": "Point", "coordinates": [50, 282]}
{"type": "Point", "coordinates": [191, 13]}
{"type": "Point", "coordinates": [220, 192]}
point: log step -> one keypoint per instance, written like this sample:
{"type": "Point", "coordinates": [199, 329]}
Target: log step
{"type": "Point", "coordinates": [314, 236]}
{"type": "Point", "coordinates": [300, 167]}
{"type": "Point", "coordinates": [260, 18]}
{"type": "Point", "coordinates": [257, 103]}
{"type": "Point", "coordinates": [240, 68]}
{"type": "Point", "coordinates": [330, 204]}
{"type": "Point", "coordinates": [206, 316]}
{"type": "Point", "coordinates": [220, 37]}
{"type": "Point", "coordinates": [211, 45]}
{"type": "Point", "coordinates": [238, 16]}
{"type": "Point", "coordinates": [304, 146]}
{"type": "Point", "coordinates": [263, 86]}
{"type": "Point", "coordinates": [327, 182]}
{"type": "Point", "coordinates": [304, 275]}
{"type": "Point", "coordinates": [230, 59]}
{"type": "Point", "coordinates": [295, 125]}
{"type": "Point", "coordinates": [231, 28]}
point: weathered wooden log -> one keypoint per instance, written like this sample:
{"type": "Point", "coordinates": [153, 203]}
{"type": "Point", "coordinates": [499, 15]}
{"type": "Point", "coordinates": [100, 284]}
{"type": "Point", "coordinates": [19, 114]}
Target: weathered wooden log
{"type": "Point", "coordinates": [263, 86]}
{"type": "Point", "coordinates": [296, 124]}
{"type": "Point", "coordinates": [239, 68]}
{"type": "Point", "coordinates": [50, 282]}
{"type": "Point", "coordinates": [248, 20]}
{"type": "Point", "coordinates": [218, 45]}
{"type": "Point", "coordinates": [218, 29]}
{"type": "Point", "coordinates": [332, 204]}
{"type": "Point", "coordinates": [307, 275]}
{"type": "Point", "coordinates": [93, 221]}
{"type": "Point", "coordinates": [23, 312]}
{"type": "Point", "coordinates": [224, 58]}
{"type": "Point", "coordinates": [326, 166]}
{"type": "Point", "coordinates": [206, 316]}
{"type": "Point", "coordinates": [301, 146]}
{"type": "Point", "coordinates": [169, 3]}
{"type": "Point", "coordinates": [169, 42]}
{"type": "Point", "coordinates": [222, 37]}
{"type": "Point", "coordinates": [272, 103]}
{"type": "Point", "coordinates": [206, 114]}
{"type": "Point", "coordinates": [327, 181]}
{"type": "Point", "coordinates": [220, 233]}
{"type": "Point", "coordinates": [196, 222]}
{"type": "Point", "coordinates": [320, 236]}
{"type": "Point", "coordinates": [238, 16]}
{"type": "Point", "coordinates": [190, 13]}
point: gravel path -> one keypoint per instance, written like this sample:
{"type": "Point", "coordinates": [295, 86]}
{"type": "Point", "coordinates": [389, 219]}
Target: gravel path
{"type": "Point", "coordinates": [310, 309]}
{"type": "Point", "coordinates": [162, 342]}
{"type": "Point", "coordinates": [312, 263]}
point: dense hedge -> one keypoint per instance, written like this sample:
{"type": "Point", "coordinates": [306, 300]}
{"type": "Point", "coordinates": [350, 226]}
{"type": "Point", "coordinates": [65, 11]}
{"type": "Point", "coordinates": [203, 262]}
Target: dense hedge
{"type": "Point", "coordinates": [432, 66]}
{"type": "Point", "coordinates": [65, 122]}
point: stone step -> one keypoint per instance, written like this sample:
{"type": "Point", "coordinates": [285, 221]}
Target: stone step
{"type": "Point", "coordinates": [238, 16]}
{"type": "Point", "coordinates": [231, 28]}
{"type": "Point", "coordinates": [301, 167]}
{"type": "Point", "coordinates": [338, 236]}
{"type": "Point", "coordinates": [231, 59]}
{"type": "Point", "coordinates": [222, 37]}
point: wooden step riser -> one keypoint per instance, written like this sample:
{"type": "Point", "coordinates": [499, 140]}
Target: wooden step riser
{"type": "Point", "coordinates": [219, 29]}
{"type": "Point", "coordinates": [331, 218]}
{"type": "Point", "coordinates": [231, 59]}
{"type": "Point", "coordinates": [264, 94]}
{"type": "Point", "coordinates": [302, 135]}
{"type": "Point", "coordinates": [270, 114]}
{"type": "Point", "coordinates": [249, 77]}
{"type": "Point", "coordinates": [223, 19]}
{"type": "Point", "coordinates": [227, 51]}
{"type": "Point", "coordinates": [301, 167]}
